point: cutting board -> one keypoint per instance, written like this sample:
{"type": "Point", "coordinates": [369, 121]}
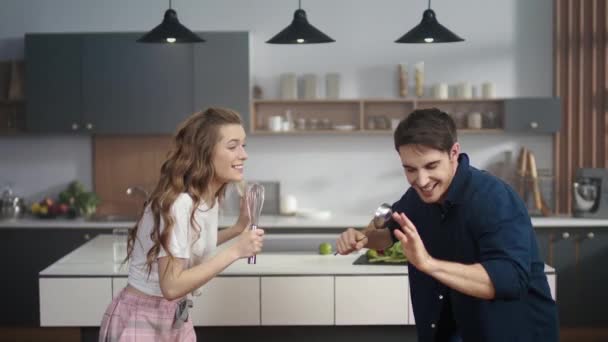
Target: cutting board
{"type": "Point", "coordinates": [362, 260]}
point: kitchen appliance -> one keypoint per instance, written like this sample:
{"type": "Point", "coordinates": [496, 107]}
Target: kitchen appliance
{"type": "Point", "coordinates": [590, 193]}
{"type": "Point", "coordinates": [255, 201]}
{"type": "Point", "coordinates": [11, 206]}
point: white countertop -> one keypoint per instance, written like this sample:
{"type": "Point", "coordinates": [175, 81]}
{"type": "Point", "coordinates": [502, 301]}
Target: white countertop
{"type": "Point", "coordinates": [95, 259]}
{"type": "Point", "coordinates": [336, 221]}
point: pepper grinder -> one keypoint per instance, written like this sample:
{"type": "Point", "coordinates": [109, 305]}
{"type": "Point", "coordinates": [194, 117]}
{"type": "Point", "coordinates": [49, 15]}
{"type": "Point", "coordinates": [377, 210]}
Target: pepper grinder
{"type": "Point", "coordinates": [255, 201]}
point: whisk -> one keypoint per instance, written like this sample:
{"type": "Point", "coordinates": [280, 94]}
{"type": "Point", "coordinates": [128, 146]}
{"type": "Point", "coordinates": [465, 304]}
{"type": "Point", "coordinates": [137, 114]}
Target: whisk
{"type": "Point", "coordinates": [255, 201]}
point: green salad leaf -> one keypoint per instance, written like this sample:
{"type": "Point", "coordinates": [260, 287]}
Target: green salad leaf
{"type": "Point", "coordinates": [393, 254]}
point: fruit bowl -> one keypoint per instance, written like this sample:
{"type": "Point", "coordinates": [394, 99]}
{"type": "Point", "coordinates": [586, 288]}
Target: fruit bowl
{"type": "Point", "coordinates": [49, 209]}
{"type": "Point", "coordinates": [45, 216]}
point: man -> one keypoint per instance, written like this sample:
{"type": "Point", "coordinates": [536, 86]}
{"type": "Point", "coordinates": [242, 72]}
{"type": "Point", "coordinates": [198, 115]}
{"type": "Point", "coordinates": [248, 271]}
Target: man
{"type": "Point", "coordinates": [474, 269]}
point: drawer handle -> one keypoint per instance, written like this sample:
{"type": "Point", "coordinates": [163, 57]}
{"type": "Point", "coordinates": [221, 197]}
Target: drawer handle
{"type": "Point", "coordinates": [534, 125]}
{"type": "Point", "coordinates": [74, 126]}
{"type": "Point", "coordinates": [87, 237]}
{"type": "Point", "coordinates": [89, 126]}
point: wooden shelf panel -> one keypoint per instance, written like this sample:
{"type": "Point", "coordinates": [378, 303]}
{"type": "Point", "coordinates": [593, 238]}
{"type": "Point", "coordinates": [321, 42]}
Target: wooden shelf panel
{"type": "Point", "coordinates": [371, 115]}
{"type": "Point", "coordinates": [364, 132]}
{"type": "Point", "coordinates": [307, 113]}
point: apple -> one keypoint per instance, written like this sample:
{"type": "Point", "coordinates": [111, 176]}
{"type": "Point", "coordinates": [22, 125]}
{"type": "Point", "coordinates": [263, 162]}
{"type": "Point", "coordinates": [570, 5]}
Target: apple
{"type": "Point", "coordinates": [63, 209]}
{"type": "Point", "coordinates": [47, 201]}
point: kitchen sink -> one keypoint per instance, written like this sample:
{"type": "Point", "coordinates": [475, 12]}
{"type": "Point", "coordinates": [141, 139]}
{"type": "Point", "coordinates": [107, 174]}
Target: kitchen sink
{"type": "Point", "coordinates": [112, 218]}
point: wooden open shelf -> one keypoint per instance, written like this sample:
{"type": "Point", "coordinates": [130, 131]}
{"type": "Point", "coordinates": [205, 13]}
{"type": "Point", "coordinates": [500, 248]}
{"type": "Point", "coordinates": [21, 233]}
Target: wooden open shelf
{"type": "Point", "coordinates": [368, 116]}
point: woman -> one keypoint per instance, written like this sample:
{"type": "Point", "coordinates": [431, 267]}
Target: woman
{"type": "Point", "coordinates": [170, 248]}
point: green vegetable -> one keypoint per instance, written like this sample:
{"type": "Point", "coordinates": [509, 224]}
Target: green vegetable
{"type": "Point", "coordinates": [393, 254]}
{"type": "Point", "coordinates": [372, 254]}
{"type": "Point", "coordinates": [75, 195]}
{"type": "Point", "coordinates": [395, 251]}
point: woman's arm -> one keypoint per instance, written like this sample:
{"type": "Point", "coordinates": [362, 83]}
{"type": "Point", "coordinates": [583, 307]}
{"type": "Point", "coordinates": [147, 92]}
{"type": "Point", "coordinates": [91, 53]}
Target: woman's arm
{"type": "Point", "coordinates": [242, 223]}
{"type": "Point", "coordinates": [229, 233]}
{"type": "Point", "coordinates": [177, 281]}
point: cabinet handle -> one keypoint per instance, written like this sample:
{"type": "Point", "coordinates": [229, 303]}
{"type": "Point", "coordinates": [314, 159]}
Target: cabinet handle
{"type": "Point", "coordinates": [534, 125]}
{"type": "Point", "coordinates": [590, 235]}
{"type": "Point", "coordinates": [87, 236]}
{"type": "Point", "coordinates": [565, 235]}
{"type": "Point", "coordinates": [74, 126]}
{"type": "Point", "coordinates": [89, 126]}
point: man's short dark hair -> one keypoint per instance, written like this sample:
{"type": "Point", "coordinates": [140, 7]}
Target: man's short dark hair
{"type": "Point", "coordinates": [427, 127]}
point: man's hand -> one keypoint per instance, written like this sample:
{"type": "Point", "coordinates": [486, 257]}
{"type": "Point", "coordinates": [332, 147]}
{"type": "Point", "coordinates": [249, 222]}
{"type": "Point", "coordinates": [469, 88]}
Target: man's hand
{"type": "Point", "coordinates": [351, 240]}
{"type": "Point", "coordinates": [412, 245]}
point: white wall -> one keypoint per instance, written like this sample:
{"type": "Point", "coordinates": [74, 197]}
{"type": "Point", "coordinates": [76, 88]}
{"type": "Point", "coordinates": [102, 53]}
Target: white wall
{"type": "Point", "coordinates": [508, 42]}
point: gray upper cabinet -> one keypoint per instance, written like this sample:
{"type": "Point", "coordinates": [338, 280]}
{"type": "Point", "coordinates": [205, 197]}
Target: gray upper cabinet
{"type": "Point", "coordinates": [106, 83]}
{"type": "Point", "coordinates": [134, 88]}
{"type": "Point", "coordinates": [53, 82]}
{"type": "Point", "coordinates": [228, 85]}
{"type": "Point", "coordinates": [532, 115]}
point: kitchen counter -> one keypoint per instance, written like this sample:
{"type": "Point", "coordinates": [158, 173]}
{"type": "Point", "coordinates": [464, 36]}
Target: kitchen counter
{"type": "Point", "coordinates": [294, 289]}
{"type": "Point", "coordinates": [96, 259]}
{"type": "Point", "coordinates": [336, 221]}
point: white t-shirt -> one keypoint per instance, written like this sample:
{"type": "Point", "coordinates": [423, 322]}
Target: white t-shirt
{"type": "Point", "coordinates": [181, 243]}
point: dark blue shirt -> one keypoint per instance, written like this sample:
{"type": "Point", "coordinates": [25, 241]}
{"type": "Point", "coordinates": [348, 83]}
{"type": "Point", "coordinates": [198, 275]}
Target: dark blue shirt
{"type": "Point", "coordinates": [482, 220]}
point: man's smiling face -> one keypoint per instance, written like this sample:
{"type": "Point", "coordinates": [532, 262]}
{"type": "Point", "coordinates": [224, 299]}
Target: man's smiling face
{"type": "Point", "coordinates": [428, 170]}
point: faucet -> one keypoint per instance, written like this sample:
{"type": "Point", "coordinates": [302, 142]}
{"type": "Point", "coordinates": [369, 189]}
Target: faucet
{"type": "Point", "coordinates": [138, 190]}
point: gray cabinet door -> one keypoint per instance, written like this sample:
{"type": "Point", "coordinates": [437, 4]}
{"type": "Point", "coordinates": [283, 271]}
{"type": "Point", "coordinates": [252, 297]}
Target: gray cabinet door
{"type": "Point", "coordinates": [135, 88]}
{"type": "Point", "coordinates": [221, 72]}
{"type": "Point", "coordinates": [592, 277]}
{"type": "Point", "coordinates": [578, 258]}
{"type": "Point", "coordinates": [532, 115]}
{"type": "Point", "coordinates": [53, 82]}
{"type": "Point", "coordinates": [36, 249]}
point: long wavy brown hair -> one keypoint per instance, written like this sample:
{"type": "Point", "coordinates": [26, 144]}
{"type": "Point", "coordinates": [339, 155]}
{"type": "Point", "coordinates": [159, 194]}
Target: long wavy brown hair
{"type": "Point", "coordinates": [189, 169]}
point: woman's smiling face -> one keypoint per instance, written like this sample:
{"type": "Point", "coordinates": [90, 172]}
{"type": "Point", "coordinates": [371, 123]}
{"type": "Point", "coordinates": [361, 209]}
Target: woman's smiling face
{"type": "Point", "coordinates": [229, 154]}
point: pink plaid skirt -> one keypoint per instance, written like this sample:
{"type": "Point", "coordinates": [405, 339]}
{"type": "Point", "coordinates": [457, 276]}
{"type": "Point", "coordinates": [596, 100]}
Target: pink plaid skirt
{"type": "Point", "coordinates": [133, 317]}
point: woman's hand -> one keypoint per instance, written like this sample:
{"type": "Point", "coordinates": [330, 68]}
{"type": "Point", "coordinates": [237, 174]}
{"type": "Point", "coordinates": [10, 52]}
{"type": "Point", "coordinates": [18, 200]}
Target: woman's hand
{"type": "Point", "coordinates": [249, 243]}
{"type": "Point", "coordinates": [243, 221]}
{"type": "Point", "coordinates": [241, 225]}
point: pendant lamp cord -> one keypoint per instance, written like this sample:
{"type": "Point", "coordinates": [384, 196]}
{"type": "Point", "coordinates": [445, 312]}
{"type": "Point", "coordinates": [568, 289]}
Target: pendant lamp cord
{"type": "Point", "coordinates": [299, 4]}
{"type": "Point", "coordinates": [170, 7]}
{"type": "Point", "coordinates": [429, 4]}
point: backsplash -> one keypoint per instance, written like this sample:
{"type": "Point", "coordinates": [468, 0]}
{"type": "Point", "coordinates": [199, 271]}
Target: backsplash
{"type": "Point", "coordinates": [39, 165]}
{"type": "Point", "coordinates": [346, 174]}
{"type": "Point", "coordinates": [120, 162]}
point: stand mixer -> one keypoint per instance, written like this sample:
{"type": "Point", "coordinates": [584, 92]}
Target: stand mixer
{"type": "Point", "coordinates": [590, 193]}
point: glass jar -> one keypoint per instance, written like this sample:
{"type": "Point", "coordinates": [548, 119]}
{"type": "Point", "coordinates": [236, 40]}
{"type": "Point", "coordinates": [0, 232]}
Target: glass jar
{"type": "Point", "coordinates": [119, 245]}
{"type": "Point", "coordinates": [474, 120]}
{"type": "Point", "coordinates": [490, 120]}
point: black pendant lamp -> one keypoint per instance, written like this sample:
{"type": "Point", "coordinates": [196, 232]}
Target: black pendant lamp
{"type": "Point", "coordinates": [300, 31]}
{"type": "Point", "coordinates": [170, 31]}
{"type": "Point", "coordinates": [429, 31]}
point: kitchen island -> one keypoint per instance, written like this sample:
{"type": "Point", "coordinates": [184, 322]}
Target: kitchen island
{"type": "Point", "coordinates": [573, 246]}
{"type": "Point", "coordinates": [297, 289]}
